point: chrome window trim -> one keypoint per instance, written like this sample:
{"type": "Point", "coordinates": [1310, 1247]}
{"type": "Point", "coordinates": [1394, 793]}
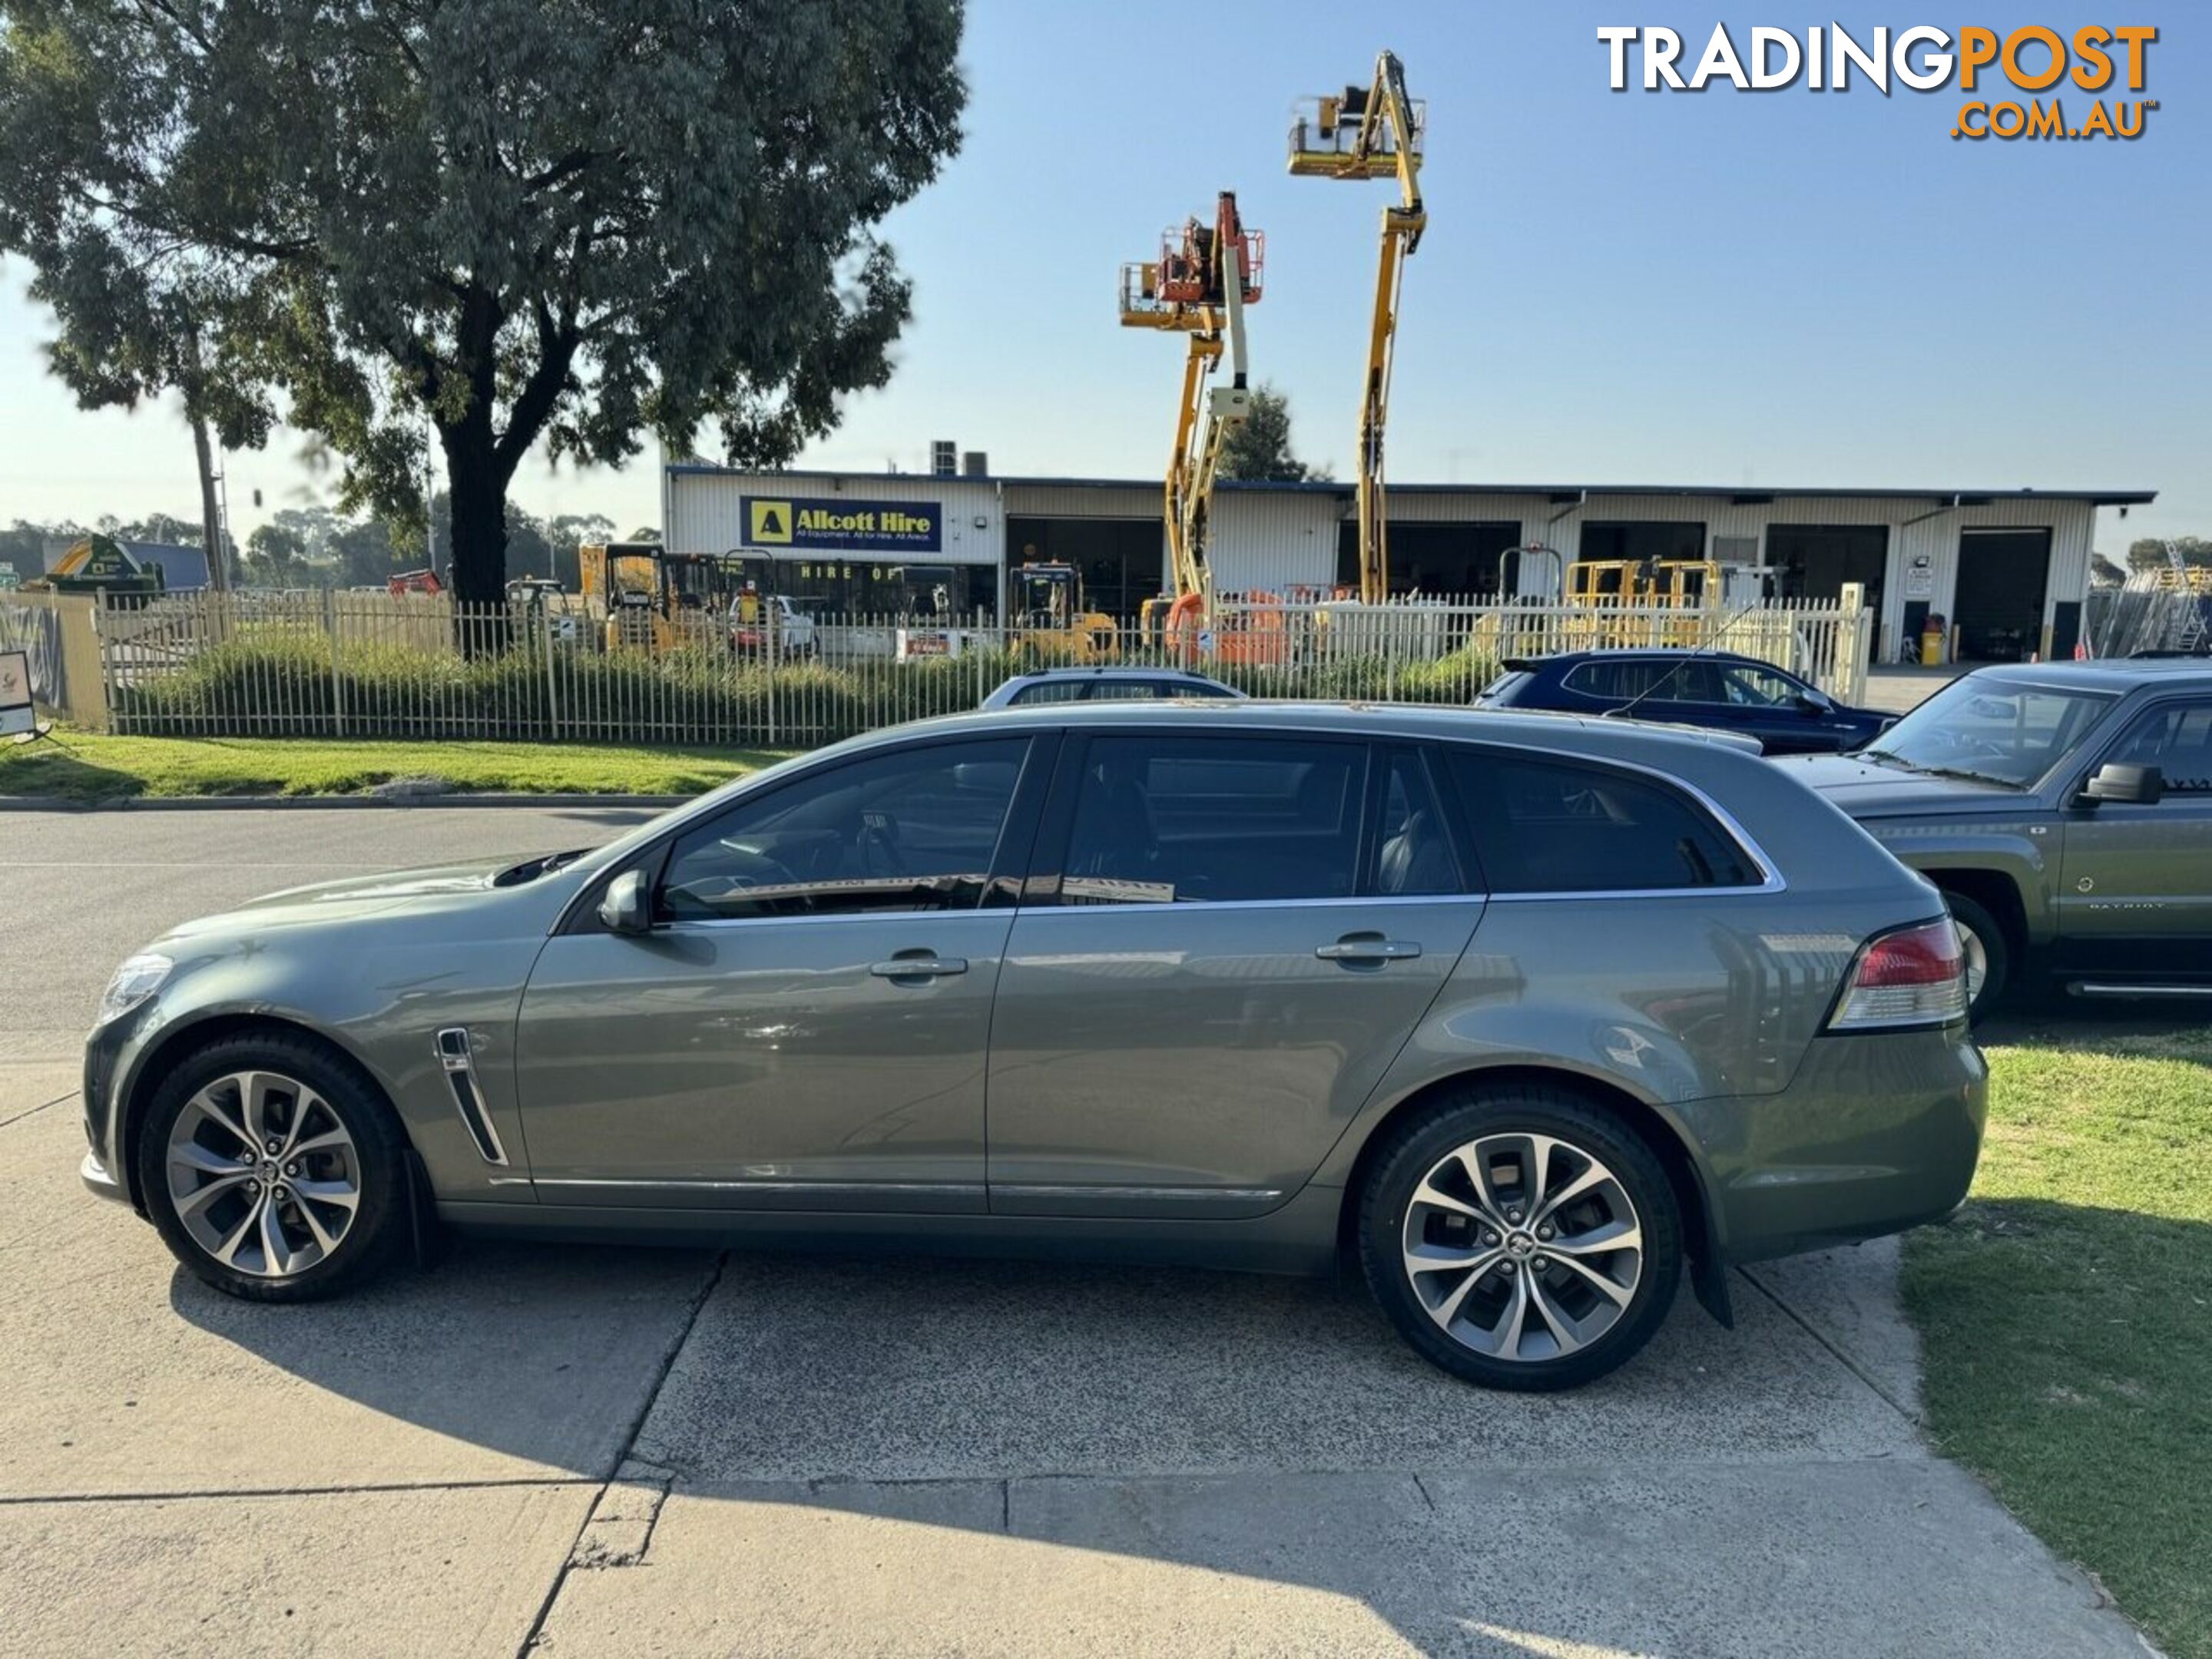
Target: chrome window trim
{"type": "Point", "coordinates": [1226, 722]}
{"type": "Point", "coordinates": [919, 917]}
{"type": "Point", "coordinates": [1202, 907]}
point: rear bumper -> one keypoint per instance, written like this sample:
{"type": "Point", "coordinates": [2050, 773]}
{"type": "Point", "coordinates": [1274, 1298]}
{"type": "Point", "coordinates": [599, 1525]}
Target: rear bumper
{"type": "Point", "coordinates": [1876, 1133]}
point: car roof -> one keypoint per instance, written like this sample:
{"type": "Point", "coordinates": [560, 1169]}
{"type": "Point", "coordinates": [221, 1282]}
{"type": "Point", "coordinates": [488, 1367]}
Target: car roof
{"type": "Point", "coordinates": [1112, 671]}
{"type": "Point", "coordinates": [1634, 653]}
{"type": "Point", "coordinates": [1538, 728]}
{"type": "Point", "coordinates": [2102, 673]}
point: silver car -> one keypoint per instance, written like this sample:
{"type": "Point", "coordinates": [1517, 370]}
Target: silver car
{"type": "Point", "coordinates": [1527, 1014]}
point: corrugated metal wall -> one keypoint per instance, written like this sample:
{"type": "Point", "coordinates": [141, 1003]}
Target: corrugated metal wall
{"type": "Point", "coordinates": [1271, 539]}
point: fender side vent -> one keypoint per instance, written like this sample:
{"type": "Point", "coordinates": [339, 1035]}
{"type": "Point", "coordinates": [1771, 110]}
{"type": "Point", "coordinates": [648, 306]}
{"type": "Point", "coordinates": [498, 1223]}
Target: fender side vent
{"type": "Point", "coordinates": [468, 1098]}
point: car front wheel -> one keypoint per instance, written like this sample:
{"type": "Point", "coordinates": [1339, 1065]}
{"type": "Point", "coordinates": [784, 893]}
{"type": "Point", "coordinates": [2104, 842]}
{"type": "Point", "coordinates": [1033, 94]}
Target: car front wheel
{"type": "Point", "coordinates": [1523, 1239]}
{"type": "Point", "coordinates": [273, 1170]}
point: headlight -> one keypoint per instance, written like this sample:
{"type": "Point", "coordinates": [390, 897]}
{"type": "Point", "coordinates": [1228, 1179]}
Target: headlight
{"type": "Point", "coordinates": [134, 981]}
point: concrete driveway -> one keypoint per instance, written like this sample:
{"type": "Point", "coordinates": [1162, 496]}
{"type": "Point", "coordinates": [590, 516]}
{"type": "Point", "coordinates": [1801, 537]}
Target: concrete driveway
{"type": "Point", "coordinates": [598, 1450]}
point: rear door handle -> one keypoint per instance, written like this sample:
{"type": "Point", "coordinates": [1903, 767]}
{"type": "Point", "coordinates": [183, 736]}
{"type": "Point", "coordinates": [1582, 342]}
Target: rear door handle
{"type": "Point", "coordinates": [1368, 947]}
{"type": "Point", "coordinates": [919, 967]}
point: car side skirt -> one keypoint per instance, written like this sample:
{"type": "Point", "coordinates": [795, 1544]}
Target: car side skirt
{"type": "Point", "coordinates": [1300, 1236]}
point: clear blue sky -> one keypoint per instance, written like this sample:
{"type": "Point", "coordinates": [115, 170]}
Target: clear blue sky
{"type": "Point", "coordinates": [1763, 288]}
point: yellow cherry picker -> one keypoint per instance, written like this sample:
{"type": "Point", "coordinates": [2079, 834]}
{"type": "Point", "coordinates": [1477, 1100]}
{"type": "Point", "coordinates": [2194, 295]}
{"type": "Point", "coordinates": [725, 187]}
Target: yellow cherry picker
{"type": "Point", "coordinates": [1378, 132]}
{"type": "Point", "coordinates": [1199, 287]}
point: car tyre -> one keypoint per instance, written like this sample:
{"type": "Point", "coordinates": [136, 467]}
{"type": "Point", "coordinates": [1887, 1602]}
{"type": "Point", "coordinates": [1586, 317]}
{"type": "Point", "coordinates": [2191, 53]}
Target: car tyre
{"type": "Point", "coordinates": [325, 1210]}
{"type": "Point", "coordinates": [1983, 937]}
{"type": "Point", "coordinates": [1529, 1312]}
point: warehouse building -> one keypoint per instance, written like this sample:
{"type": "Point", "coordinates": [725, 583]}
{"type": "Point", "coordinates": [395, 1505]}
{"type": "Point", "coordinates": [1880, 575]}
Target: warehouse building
{"type": "Point", "coordinates": [2006, 571]}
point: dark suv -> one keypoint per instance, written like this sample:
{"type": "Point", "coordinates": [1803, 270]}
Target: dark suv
{"type": "Point", "coordinates": [2065, 810]}
{"type": "Point", "coordinates": [1730, 693]}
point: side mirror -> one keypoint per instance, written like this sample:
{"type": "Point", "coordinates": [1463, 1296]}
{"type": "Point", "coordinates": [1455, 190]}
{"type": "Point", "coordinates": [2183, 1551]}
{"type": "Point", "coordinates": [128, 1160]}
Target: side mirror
{"type": "Point", "coordinates": [1815, 701]}
{"type": "Point", "coordinates": [2135, 785]}
{"type": "Point", "coordinates": [627, 905]}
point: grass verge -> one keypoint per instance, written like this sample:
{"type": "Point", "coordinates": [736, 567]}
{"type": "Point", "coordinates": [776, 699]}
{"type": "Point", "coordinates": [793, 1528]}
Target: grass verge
{"type": "Point", "coordinates": [83, 766]}
{"type": "Point", "coordinates": [2067, 1314]}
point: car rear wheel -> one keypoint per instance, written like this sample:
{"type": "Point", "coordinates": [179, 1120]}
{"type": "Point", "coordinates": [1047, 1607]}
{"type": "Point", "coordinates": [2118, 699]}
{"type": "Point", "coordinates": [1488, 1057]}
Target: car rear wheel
{"type": "Point", "coordinates": [1523, 1239]}
{"type": "Point", "coordinates": [273, 1171]}
{"type": "Point", "coordinates": [1988, 957]}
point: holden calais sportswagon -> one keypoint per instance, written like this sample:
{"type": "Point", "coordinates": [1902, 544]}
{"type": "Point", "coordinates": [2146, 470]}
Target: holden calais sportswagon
{"type": "Point", "coordinates": [1527, 1013]}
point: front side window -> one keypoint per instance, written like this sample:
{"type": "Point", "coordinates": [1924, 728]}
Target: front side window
{"type": "Point", "coordinates": [914, 829]}
{"type": "Point", "coordinates": [1557, 826]}
{"type": "Point", "coordinates": [2176, 739]}
{"type": "Point", "coordinates": [1990, 729]}
{"type": "Point", "coordinates": [1756, 688]}
{"type": "Point", "coordinates": [1173, 820]}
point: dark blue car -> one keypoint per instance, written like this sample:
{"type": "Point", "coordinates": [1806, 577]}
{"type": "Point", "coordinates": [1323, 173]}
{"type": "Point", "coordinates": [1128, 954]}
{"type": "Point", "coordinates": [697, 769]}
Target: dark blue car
{"type": "Point", "coordinates": [1690, 687]}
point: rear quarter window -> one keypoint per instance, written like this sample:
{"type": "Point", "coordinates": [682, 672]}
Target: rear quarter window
{"type": "Point", "coordinates": [1542, 825]}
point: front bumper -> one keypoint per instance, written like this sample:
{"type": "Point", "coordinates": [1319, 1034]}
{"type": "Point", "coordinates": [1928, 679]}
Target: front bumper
{"type": "Point", "coordinates": [1877, 1132]}
{"type": "Point", "coordinates": [98, 1182]}
{"type": "Point", "coordinates": [106, 1051]}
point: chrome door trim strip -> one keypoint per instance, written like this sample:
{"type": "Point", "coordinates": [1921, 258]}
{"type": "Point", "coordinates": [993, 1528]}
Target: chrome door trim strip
{"type": "Point", "coordinates": [2099, 988]}
{"type": "Point", "coordinates": [453, 1052]}
{"type": "Point", "coordinates": [943, 1188]}
{"type": "Point", "coordinates": [1147, 1195]}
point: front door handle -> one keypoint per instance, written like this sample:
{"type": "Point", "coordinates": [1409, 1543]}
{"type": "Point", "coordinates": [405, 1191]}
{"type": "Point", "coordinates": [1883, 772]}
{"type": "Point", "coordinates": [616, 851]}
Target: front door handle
{"type": "Point", "coordinates": [920, 965]}
{"type": "Point", "coordinates": [1368, 947]}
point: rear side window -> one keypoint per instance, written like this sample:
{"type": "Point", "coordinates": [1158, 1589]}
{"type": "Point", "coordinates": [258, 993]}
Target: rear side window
{"type": "Point", "coordinates": [1172, 820]}
{"type": "Point", "coordinates": [1052, 691]}
{"type": "Point", "coordinates": [1651, 680]}
{"type": "Point", "coordinates": [1556, 826]}
{"type": "Point", "coordinates": [1126, 690]}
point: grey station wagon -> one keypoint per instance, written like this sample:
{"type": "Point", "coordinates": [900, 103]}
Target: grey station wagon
{"type": "Point", "coordinates": [1526, 1013]}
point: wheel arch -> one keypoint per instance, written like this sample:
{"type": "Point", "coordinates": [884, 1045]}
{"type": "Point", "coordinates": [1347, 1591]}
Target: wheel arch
{"type": "Point", "coordinates": [1667, 1142]}
{"type": "Point", "coordinates": [173, 1045]}
{"type": "Point", "coordinates": [1995, 890]}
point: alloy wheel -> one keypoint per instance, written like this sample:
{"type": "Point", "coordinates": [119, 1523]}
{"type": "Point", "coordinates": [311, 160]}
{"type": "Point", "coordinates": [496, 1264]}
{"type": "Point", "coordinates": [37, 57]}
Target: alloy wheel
{"type": "Point", "coordinates": [1522, 1247]}
{"type": "Point", "coordinates": [263, 1174]}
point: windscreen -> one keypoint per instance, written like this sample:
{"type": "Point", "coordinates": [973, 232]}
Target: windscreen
{"type": "Point", "coordinates": [1995, 730]}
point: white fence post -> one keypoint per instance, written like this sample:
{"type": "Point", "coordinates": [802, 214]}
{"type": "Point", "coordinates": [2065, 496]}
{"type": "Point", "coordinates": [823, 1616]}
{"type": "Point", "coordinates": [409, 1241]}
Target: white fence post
{"type": "Point", "coordinates": [338, 683]}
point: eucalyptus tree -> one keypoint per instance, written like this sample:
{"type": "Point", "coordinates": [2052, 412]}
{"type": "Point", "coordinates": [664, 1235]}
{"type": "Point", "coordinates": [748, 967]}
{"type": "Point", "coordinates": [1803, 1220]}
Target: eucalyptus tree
{"type": "Point", "coordinates": [523, 223]}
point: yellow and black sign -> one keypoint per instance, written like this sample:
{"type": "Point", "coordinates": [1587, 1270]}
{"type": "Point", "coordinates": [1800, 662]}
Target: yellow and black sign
{"type": "Point", "coordinates": [768, 523]}
{"type": "Point", "coordinates": [838, 524]}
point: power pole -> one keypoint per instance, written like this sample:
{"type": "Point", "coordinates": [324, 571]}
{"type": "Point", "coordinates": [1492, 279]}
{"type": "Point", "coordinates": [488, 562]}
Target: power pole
{"type": "Point", "coordinates": [213, 533]}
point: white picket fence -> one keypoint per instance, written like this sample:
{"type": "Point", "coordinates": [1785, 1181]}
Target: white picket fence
{"type": "Point", "coordinates": [421, 668]}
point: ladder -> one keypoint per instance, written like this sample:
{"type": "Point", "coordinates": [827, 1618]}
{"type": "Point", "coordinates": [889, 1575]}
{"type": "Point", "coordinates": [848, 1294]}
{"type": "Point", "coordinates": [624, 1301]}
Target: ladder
{"type": "Point", "coordinates": [2193, 600]}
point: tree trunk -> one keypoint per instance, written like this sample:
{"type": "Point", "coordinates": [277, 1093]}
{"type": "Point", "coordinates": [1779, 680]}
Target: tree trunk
{"type": "Point", "coordinates": [477, 572]}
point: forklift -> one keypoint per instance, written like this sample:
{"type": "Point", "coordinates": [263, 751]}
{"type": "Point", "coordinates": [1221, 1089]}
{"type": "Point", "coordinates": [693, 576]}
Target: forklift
{"type": "Point", "coordinates": [659, 601]}
{"type": "Point", "coordinates": [1050, 620]}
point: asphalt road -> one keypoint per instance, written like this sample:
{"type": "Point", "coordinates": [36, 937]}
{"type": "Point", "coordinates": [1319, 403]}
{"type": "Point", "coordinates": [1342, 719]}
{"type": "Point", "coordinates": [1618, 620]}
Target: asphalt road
{"type": "Point", "coordinates": [598, 1450]}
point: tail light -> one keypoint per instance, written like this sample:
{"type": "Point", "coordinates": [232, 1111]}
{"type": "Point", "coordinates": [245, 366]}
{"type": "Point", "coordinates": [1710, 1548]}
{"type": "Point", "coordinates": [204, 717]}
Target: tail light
{"type": "Point", "coordinates": [1914, 976]}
